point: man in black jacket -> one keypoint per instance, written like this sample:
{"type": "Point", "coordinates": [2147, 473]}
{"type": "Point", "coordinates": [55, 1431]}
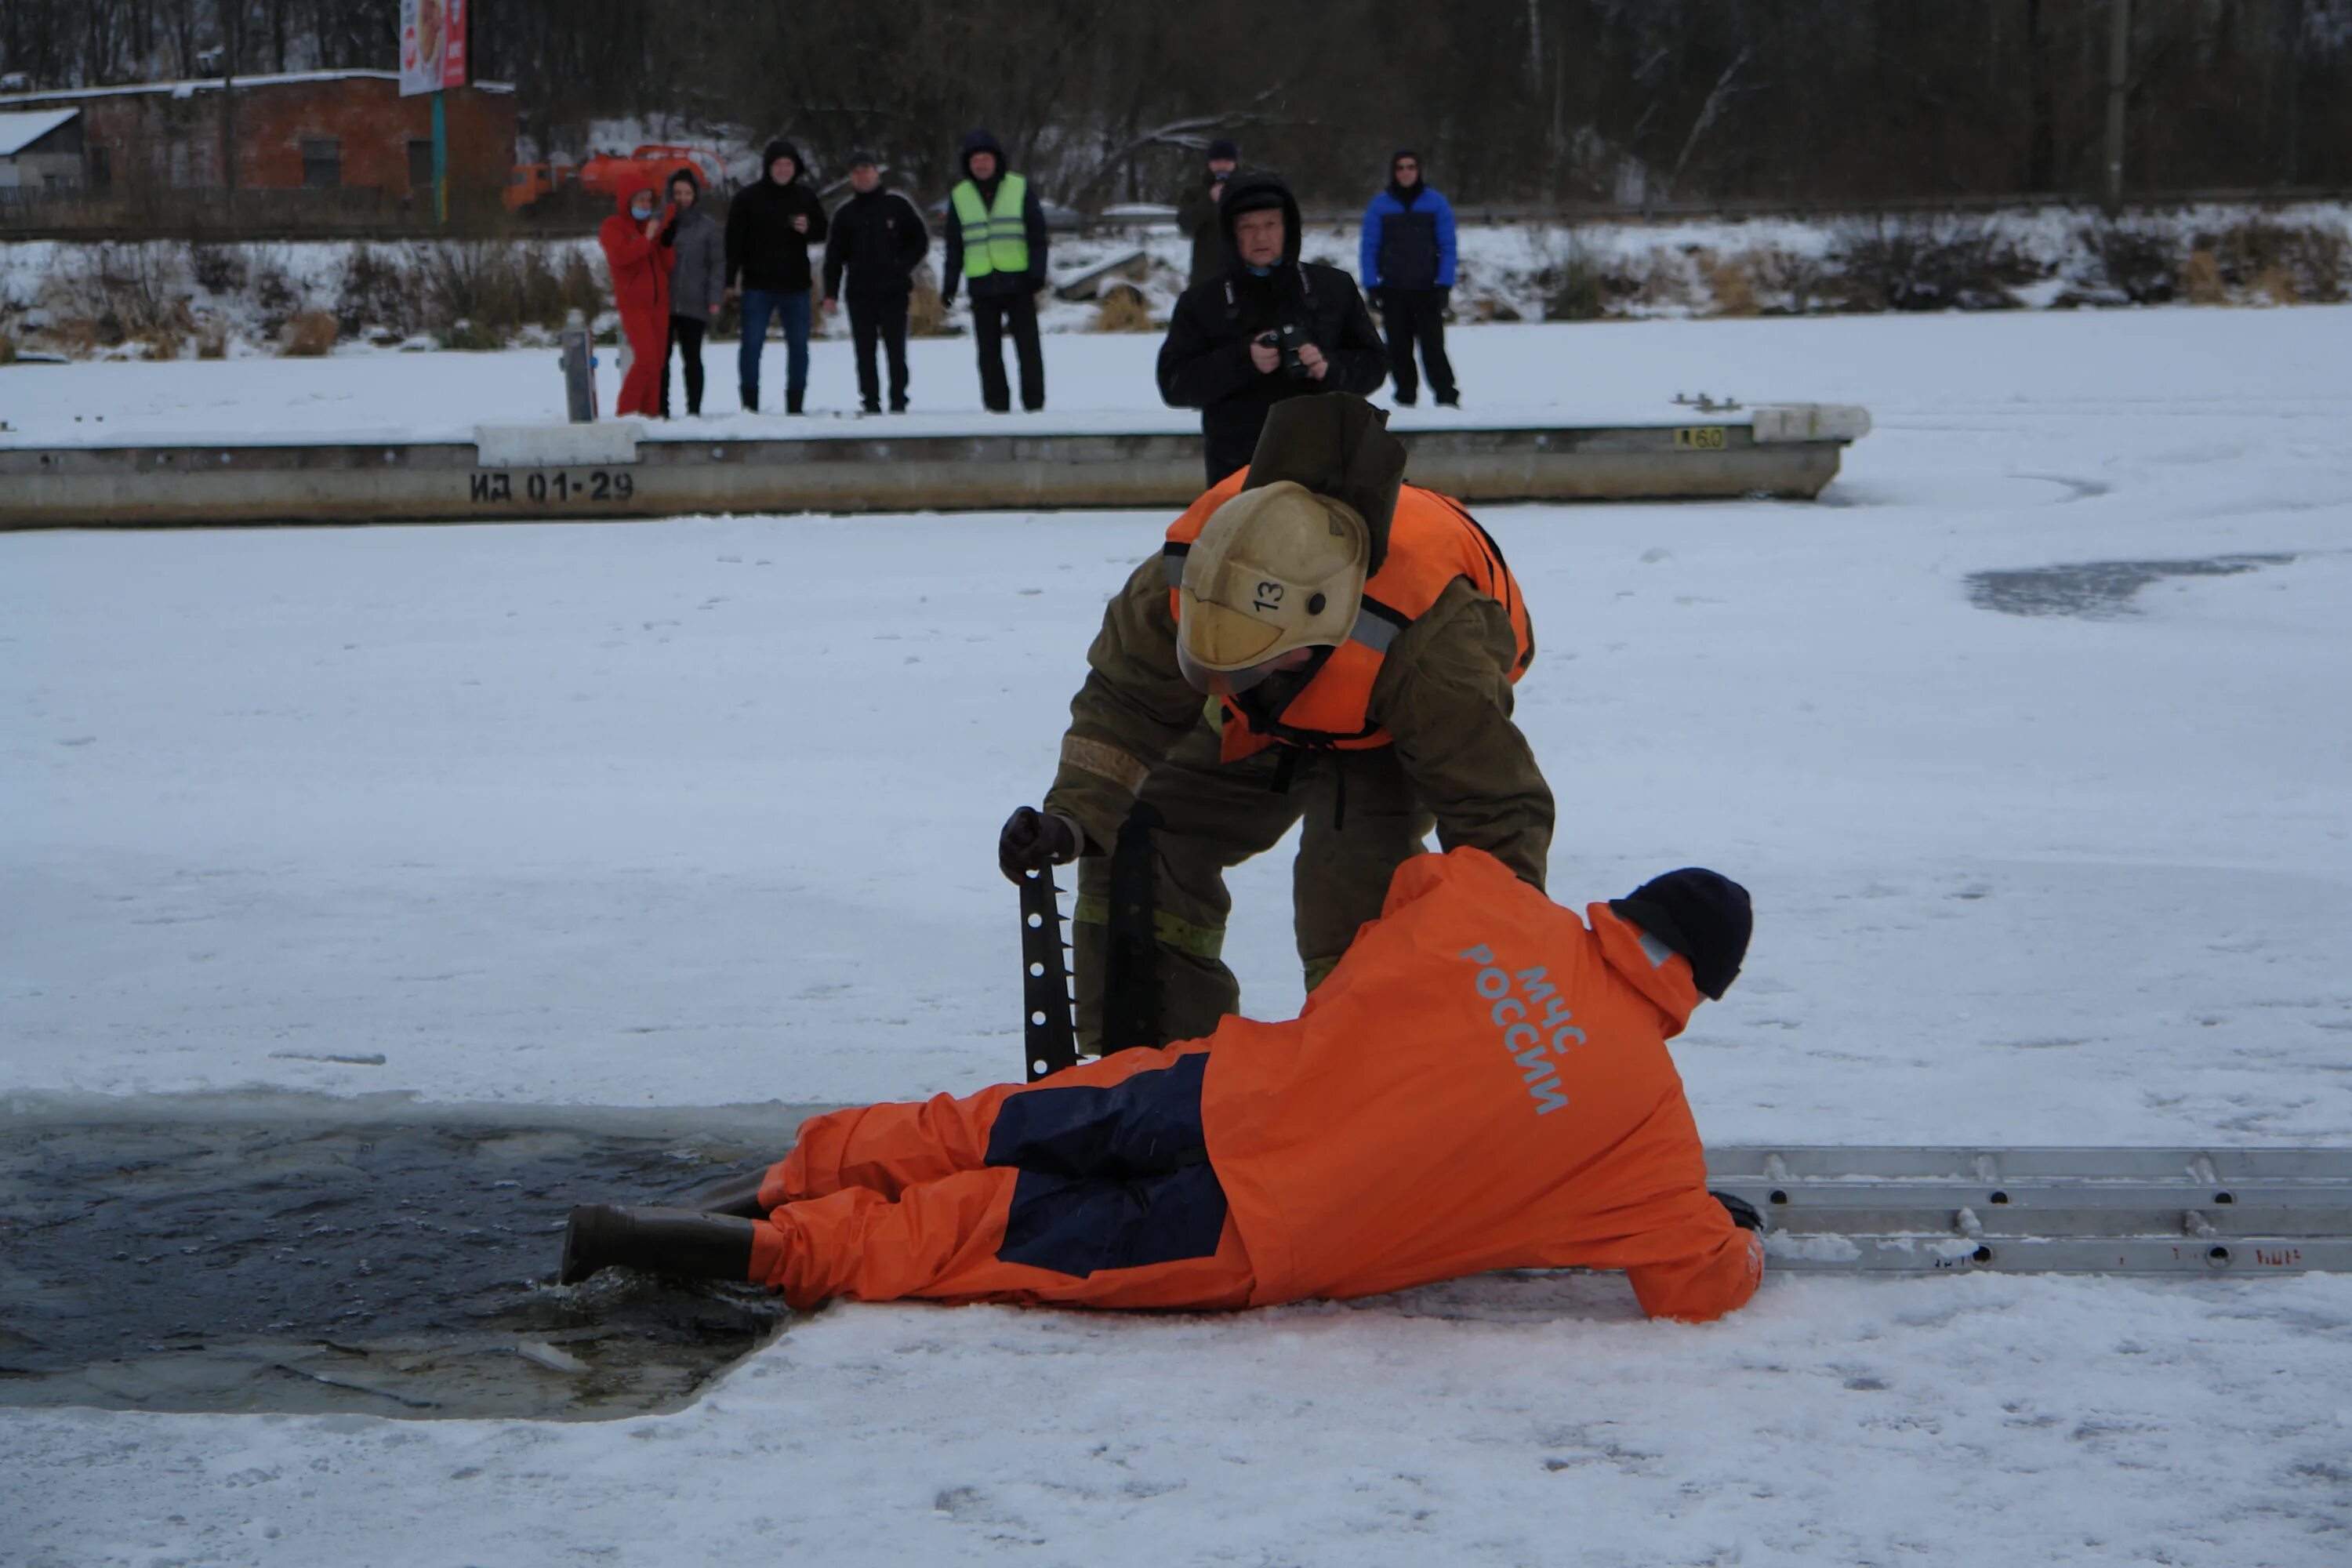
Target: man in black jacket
{"type": "Point", "coordinates": [1196, 213]}
{"type": "Point", "coordinates": [878, 240]}
{"type": "Point", "coordinates": [770, 226]}
{"type": "Point", "coordinates": [1271, 327]}
{"type": "Point", "coordinates": [996, 239]}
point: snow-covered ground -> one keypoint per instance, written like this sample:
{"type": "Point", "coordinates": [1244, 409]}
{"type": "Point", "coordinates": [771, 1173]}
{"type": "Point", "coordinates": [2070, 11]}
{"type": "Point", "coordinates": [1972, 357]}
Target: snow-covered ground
{"type": "Point", "coordinates": [703, 811]}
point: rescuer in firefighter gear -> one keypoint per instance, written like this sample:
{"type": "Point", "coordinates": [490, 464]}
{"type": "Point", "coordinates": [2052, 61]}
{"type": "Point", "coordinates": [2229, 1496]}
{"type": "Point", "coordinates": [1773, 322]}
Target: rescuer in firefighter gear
{"type": "Point", "coordinates": [1355, 640]}
{"type": "Point", "coordinates": [1482, 1083]}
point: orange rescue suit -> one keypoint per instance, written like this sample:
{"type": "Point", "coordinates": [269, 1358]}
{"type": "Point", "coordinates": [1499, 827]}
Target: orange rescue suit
{"type": "Point", "coordinates": [1482, 1083]}
{"type": "Point", "coordinates": [1432, 542]}
{"type": "Point", "coordinates": [640, 269]}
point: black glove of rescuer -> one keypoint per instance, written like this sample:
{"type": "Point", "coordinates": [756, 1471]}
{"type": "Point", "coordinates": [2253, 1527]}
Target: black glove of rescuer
{"type": "Point", "coordinates": [1032, 840]}
{"type": "Point", "coordinates": [1743, 1212]}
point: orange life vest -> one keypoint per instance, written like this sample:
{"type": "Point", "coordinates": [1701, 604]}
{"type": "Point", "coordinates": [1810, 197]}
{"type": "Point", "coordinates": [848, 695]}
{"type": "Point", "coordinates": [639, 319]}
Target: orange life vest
{"type": "Point", "coordinates": [1432, 542]}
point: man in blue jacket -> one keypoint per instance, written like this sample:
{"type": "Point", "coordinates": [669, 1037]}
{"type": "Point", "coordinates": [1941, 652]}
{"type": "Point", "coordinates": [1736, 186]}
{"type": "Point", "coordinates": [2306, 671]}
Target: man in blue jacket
{"type": "Point", "coordinates": [1407, 264]}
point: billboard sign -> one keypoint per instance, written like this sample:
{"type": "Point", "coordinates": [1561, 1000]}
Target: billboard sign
{"type": "Point", "coordinates": [432, 44]}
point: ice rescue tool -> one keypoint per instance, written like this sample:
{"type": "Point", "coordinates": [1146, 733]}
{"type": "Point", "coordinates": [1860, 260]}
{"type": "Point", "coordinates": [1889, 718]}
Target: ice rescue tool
{"type": "Point", "coordinates": [1047, 1031]}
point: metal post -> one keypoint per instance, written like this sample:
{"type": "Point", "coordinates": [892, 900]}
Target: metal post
{"type": "Point", "coordinates": [579, 370]}
{"type": "Point", "coordinates": [2118, 81]}
{"type": "Point", "coordinates": [440, 159]}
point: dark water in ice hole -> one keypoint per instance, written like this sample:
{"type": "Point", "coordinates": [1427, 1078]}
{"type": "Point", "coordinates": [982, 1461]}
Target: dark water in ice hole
{"type": "Point", "coordinates": [400, 1269]}
{"type": "Point", "coordinates": [2095, 590]}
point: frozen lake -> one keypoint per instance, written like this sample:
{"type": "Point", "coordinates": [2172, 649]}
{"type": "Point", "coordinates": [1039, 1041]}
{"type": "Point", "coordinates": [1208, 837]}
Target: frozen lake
{"type": "Point", "coordinates": [2028, 738]}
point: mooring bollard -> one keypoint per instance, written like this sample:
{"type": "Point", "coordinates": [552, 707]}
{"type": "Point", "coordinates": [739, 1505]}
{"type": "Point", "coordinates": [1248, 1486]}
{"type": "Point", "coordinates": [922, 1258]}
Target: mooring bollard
{"type": "Point", "coordinates": [579, 370]}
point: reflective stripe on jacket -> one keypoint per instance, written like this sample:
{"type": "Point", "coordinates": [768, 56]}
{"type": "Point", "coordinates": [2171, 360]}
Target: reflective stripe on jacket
{"type": "Point", "coordinates": [1432, 542]}
{"type": "Point", "coordinates": [995, 237]}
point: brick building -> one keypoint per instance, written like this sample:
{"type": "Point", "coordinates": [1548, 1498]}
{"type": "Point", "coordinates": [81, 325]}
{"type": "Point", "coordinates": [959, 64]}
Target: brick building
{"type": "Point", "coordinates": [347, 130]}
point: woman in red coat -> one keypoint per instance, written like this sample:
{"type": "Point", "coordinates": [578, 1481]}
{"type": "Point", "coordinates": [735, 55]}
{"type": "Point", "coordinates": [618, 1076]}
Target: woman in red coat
{"type": "Point", "coordinates": [638, 254]}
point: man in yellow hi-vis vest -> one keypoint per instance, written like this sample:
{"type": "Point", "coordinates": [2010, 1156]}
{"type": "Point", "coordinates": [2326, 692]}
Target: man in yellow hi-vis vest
{"type": "Point", "coordinates": [996, 239]}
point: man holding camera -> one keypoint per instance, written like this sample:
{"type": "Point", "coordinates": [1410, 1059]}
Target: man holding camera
{"type": "Point", "coordinates": [1270, 327]}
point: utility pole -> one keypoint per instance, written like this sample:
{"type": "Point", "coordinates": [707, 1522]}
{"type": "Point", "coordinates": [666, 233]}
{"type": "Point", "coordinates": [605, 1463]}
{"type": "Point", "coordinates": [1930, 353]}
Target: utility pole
{"type": "Point", "coordinates": [2118, 82]}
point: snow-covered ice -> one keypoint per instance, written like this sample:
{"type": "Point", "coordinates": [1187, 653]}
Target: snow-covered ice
{"type": "Point", "coordinates": [702, 811]}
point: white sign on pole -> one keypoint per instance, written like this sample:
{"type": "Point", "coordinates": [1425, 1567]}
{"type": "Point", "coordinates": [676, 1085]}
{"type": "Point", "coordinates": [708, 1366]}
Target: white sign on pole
{"type": "Point", "coordinates": [432, 44]}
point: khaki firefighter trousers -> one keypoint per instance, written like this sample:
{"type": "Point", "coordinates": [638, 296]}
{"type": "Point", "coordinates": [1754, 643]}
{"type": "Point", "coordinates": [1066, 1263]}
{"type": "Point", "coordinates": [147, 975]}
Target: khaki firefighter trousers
{"type": "Point", "coordinates": [1361, 820]}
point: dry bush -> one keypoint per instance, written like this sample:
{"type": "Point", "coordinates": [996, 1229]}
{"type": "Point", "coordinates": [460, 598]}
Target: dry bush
{"type": "Point", "coordinates": [1930, 264]}
{"type": "Point", "coordinates": [473, 291]}
{"type": "Point", "coordinates": [2259, 254]}
{"type": "Point", "coordinates": [1784, 282]}
{"type": "Point", "coordinates": [274, 295]}
{"type": "Point", "coordinates": [211, 339]}
{"type": "Point", "coordinates": [2200, 279]}
{"type": "Point", "coordinates": [379, 289]}
{"type": "Point", "coordinates": [167, 337]}
{"type": "Point", "coordinates": [926, 313]}
{"type": "Point", "coordinates": [1571, 291]}
{"type": "Point", "coordinates": [1734, 290]}
{"type": "Point", "coordinates": [2277, 284]}
{"type": "Point", "coordinates": [217, 268]}
{"type": "Point", "coordinates": [310, 334]}
{"type": "Point", "coordinates": [7, 348]}
{"type": "Point", "coordinates": [1493, 308]}
{"type": "Point", "coordinates": [549, 288]}
{"type": "Point", "coordinates": [112, 294]}
{"type": "Point", "coordinates": [2136, 263]}
{"type": "Point", "coordinates": [1123, 309]}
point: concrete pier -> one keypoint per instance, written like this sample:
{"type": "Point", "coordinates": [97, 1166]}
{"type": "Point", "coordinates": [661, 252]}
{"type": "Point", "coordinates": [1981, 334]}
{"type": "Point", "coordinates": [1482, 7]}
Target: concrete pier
{"type": "Point", "coordinates": [624, 469]}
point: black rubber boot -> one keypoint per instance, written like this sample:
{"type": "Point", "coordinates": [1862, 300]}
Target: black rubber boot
{"type": "Point", "coordinates": [684, 1242]}
{"type": "Point", "coordinates": [750, 395]}
{"type": "Point", "coordinates": [735, 1195]}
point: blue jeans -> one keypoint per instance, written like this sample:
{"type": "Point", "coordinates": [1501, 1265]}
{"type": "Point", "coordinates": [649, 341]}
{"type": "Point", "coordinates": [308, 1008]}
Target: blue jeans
{"type": "Point", "coordinates": [793, 310]}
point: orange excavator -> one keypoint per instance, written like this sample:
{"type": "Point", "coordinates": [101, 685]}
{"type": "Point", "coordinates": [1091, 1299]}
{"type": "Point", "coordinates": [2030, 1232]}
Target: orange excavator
{"type": "Point", "coordinates": [607, 173]}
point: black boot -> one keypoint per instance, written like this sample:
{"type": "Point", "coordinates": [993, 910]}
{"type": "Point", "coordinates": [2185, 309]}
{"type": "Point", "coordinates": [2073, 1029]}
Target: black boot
{"type": "Point", "coordinates": [736, 1195]}
{"type": "Point", "coordinates": [659, 1241]}
{"type": "Point", "coordinates": [792, 403]}
{"type": "Point", "coordinates": [750, 400]}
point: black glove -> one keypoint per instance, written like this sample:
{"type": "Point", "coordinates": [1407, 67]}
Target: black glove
{"type": "Point", "coordinates": [1032, 840]}
{"type": "Point", "coordinates": [1743, 1212]}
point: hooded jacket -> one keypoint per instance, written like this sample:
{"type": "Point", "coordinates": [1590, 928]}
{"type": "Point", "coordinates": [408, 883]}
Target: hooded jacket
{"type": "Point", "coordinates": [764, 251]}
{"type": "Point", "coordinates": [699, 275]}
{"type": "Point", "coordinates": [1205, 362]}
{"type": "Point", "coordinates": [1033, 223]}
{"type": "Point", "coordinates": [640, 267]}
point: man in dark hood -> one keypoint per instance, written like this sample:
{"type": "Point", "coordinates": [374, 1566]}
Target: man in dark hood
{"type": "Point", "coordinates": [1196, 211]}
{"type": "Point", "coordinates": [996, 240]}
{"type": "Point", "coordinates": [1270, 327]}
{"type": "Point", "coordinates": [769, 228]}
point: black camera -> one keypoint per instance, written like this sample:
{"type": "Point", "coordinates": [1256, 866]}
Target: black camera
{"type": "Point", "coordinates": [1287, 341]}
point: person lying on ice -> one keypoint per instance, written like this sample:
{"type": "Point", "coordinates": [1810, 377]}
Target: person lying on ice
{"type": "Point", "coordinates": [1482, 1083]}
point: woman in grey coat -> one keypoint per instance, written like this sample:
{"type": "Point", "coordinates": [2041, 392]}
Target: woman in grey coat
{"type": "Point", "coordinates": [696, 284]}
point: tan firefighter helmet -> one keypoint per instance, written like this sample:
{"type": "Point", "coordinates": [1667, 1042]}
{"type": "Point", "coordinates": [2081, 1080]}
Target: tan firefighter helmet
{"type": "Point", "coordinates": [1277, 571]}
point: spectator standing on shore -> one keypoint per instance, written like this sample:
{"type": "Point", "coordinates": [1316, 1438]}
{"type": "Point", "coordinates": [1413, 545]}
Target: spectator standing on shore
{"type": "Point", "coordinates": [770, 226]}
{"type": "Point", "coordinates": [1407, 266]}
{"type": "Point", "coordinates": [635, 242]}
{"type": "Point", "coordinates": [1196, 213]}
{"type": "Point", "coordinates": [698, 281]}
{"type": "Point", "coordinates": [878, 240]}
{"type": "Point", "coordinates": [996, 239]}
